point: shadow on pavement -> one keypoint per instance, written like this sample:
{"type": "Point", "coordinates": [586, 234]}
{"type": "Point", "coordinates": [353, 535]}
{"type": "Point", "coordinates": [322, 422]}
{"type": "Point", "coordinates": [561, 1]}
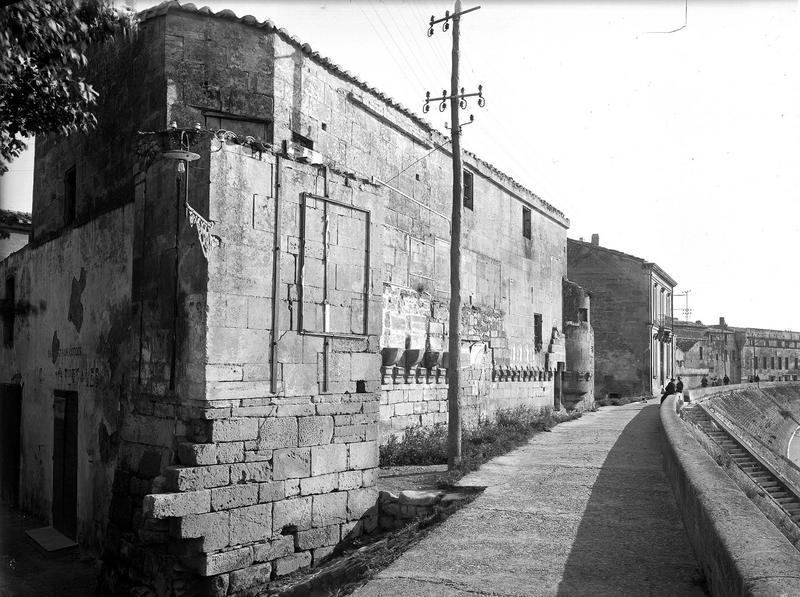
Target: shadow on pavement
{"type": "Point", "coordinates": [27, 570]}
{"type": "Point", "coordinates": [631, 539]}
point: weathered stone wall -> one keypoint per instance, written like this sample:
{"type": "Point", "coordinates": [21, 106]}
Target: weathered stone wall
{"type": "Point", "coordinates": [578, 390]}
{"type": "Point", "coordinates": [130, 99]}
{"type": "Point", "coordinates": [620, 317]}
{"type": "Point", "coordinates": [72, 320]}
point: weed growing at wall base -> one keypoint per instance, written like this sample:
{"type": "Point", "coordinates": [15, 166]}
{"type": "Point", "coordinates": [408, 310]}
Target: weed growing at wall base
{"type": "Point", "coordinates": [490, 438]}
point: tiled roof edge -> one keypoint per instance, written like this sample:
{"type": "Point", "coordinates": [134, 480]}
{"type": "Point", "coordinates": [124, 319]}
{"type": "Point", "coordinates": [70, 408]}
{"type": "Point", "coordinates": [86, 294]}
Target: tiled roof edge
{"type": "Point", "coordinates": [165, 7]}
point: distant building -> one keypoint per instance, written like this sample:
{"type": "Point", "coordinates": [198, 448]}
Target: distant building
{"type": "Point", "coordinates": [631, 318]}
{"type": "Point", "coordinates": [578, 379]}
{"type": "Point", "coordinates": [739, 353]}
{"type": "Point", "coordinates": [15, 228]}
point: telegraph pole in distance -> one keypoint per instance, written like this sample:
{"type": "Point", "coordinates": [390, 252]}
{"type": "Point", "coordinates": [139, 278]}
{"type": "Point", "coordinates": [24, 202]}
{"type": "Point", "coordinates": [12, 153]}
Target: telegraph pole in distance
{"type": "Point", "coordinates": [457, 100]}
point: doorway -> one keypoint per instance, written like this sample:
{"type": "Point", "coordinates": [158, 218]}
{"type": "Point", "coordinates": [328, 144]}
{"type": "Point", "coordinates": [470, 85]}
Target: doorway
{"type": "Point", "coordinates": [65, 462]}
{"type": "Point", "coordinates": [10, 420]}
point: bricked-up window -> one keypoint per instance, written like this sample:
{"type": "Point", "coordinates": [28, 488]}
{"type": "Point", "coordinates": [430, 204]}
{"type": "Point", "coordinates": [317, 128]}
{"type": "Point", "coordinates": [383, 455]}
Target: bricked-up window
{"type": "Point", "coordinates": [468, 190]}
{"type": "Point", "coordinates": [9, 312]}
{"type": "Point", "coordinates": [779, 362]}
{"type": "Point", "coordinates": [69, 196]}
{"type": "Point", "coordinates": [772, 362]}
{"type": "Point", "coordinates": [796, 362]}
{"type": "Point", "coordinates": [755, 362]}
{"type": "Point", "coordinates": [260, 129]}
{"type": "Point", "coordinates": [526, 222]}
{"type": "Point", "coordinates": [537, 331]}
{"type": "Point", "coordinates": [763, 362]}
{"type": "Point", "coordinates": [334, 270]}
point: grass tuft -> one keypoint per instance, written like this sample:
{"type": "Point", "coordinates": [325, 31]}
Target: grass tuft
{"type": "Point", "coordinates": [509, 429]}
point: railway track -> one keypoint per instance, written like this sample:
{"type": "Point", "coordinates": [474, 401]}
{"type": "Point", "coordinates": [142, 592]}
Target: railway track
{"type": "Point", "coordinates": [776, 489]}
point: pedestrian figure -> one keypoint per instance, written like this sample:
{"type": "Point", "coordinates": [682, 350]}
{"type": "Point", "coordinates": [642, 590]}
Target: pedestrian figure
{"type": "Point", "coordinates": [704, 382]}
{"type": "Point", "coordinates": [669, 390]}
{"type": "Point", "coordinates": [726, 380]}
{"type": "Point", "coordinates": [679, 385]}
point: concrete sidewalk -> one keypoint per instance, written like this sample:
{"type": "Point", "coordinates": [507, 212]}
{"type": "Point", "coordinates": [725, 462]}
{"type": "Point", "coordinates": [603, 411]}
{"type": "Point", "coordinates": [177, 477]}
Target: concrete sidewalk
{"type": "Point", "coordinates": [584, 510]}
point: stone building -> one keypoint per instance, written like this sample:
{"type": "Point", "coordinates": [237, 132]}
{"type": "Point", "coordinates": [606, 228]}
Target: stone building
{"type": "Point", "coordinates": [15, 226]}
{"type": "Point", "coordinates": [631, 318]}
{"type": "Point", "coordinates": [200, 348]}
{"type": "Point", "coordinates": [739, 353]}
{"type": "Point", "coordinates": [577, 382]}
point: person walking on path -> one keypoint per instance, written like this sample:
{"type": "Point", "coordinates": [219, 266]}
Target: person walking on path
{"type": "Point", "coordinates": [679, 386]}
{"type": "Point", "coordinates": [669, 390]}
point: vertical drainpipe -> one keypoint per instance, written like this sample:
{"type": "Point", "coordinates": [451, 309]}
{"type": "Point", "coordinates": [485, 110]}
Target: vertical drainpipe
{"type": "Point", "coordinates": [276, 277]}
{"type": "Point", "coordinates": [325, 305]}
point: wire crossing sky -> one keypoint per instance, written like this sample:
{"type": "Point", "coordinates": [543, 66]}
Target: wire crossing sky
{"type": "Point", "coordinates": [678, 147]}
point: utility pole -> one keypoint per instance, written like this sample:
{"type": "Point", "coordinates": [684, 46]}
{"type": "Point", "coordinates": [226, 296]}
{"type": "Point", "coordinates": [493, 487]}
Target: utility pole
{"type": "Point", "coordinates": [686, 310]}
{"type": "Point", "coordinates": [454, 331]}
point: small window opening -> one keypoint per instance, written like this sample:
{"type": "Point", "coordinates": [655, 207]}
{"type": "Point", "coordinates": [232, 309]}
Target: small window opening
{"type": "Point", "coordinates": [468, 190]}
{"type": "Point", "coordinates": [244, 127]}
{"type": "Point", "coordinates": [324, 126]}
{"type": "Point", "coordinates": [537, 331]}
{"type": "Point", "coordinates": [583, 314]}
{"type": "Point", "coordinates": [361, 387]}
{"type": "Point", "coordinates": [772, 362]}
{"type": "Point", "coordinates": [301, 140]}
{"type": "Point", "coordinates": [69, 196]}
{"type": "Point", "coordinates": [701, 353]}
{"type": "Point", "coordinates": [526, 222]}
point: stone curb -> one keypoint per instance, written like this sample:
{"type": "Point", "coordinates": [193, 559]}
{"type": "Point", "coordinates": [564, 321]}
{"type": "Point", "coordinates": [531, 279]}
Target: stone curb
{"type": "Point", "coordinates": [739, 550]}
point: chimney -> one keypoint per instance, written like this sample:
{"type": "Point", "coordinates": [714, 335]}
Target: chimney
{"type": "Point", "coordinates": [596, 239]}
{"type": "Point", "coordinates": [722, 323]}
{"type": "Point", "coordinates": [581, 239]}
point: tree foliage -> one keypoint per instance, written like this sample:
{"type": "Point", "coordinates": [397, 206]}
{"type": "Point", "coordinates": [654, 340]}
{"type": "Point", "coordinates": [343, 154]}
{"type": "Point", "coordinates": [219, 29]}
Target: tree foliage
{"type": "Point", "coordinates": [43, 55]}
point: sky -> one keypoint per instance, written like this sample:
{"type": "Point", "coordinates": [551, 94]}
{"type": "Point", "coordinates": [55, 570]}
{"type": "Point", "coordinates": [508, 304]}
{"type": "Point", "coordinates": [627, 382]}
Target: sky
{"type": "Point", "coordinates": [677, 147]}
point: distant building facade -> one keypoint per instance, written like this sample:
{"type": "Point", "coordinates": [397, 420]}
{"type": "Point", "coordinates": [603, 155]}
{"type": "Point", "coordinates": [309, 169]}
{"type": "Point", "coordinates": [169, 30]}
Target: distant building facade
{"type": "Point", "coordinates": [203, 360]}
{"type": "Point", "coordinates": [15, 228]}
{"type": "Point", "coordinates": [631, 318]}
{"type": "Point", "coordinates": [738, 353]}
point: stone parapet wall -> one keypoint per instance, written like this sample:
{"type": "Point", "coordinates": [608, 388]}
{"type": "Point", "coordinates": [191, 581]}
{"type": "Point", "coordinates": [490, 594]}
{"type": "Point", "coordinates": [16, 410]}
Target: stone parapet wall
{"type": "Point", "coordinates": [407, 406]}
{"type": "Point", "coordinates": [728, 533]}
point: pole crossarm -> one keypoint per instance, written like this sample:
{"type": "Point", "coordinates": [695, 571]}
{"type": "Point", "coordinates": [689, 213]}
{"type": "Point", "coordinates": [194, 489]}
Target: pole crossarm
{"type": "Point", "coordinates": [446, 19]}
{"type": "Point", "coordinates": [461, 97]}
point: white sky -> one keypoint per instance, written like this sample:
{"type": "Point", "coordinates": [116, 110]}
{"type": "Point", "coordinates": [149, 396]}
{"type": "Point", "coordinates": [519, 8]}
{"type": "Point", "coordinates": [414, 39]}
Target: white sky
{"type": "Point", "coordinates": [678, 148]}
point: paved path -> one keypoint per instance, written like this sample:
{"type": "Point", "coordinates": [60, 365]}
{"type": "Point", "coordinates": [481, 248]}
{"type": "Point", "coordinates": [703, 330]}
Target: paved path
{"type": "Point", "coordinates": [583, 510]}
{"type": "Point", "coordinates": [28, 571]}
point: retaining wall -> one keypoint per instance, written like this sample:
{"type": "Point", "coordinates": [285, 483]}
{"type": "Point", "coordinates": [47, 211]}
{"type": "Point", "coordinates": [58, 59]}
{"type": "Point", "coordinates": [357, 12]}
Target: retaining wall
{"type": "Point", "coordinates": [738, 549]}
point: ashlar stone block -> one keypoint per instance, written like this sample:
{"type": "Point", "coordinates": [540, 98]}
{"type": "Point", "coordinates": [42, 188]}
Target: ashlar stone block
{"type": "Point", "coordinates": [363, 455]}
{"type": "Point", "coordinates": [235, 496]}
{"type": "Point", "coordinates": [225, 561]}
{"type": "Point", "coordinates": [277, 432]}
{"type": "Point", "coordinates": [167, 505]}
{"type": "Point", "coordinates": [234, 429]}
{"type": "Point", "coordinates": [314, 431]}
{"type": "Point", "coordinates": [294, 513]}
{"type": "Point", "coordinates": [319, 537]}
{"type": "Point", "coordinates": [288, 564]}
{"type": "Point", "coordinates": [252, 576]}
{"type": "Point", "coordinates": [249, 524]}
{"type": "Point", "coordinates": [250, 472]}
{"type": "Point", "coordinates": [320, 484]}
{"type": "Point", "coordinates": [328, 459]}
{"type": "Point", "coordinates": [291, 463]}
{"type": "Point", "coordinates": [361, 502]}
{"type": "Point", "coordinates": [277, 548]}
{"type": "Point", "coordinates": [329, 508]}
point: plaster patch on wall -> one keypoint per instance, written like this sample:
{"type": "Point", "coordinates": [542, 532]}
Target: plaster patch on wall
{"type": "Point", "coordinates": [75, 305]}
{"type": "Point", "coordinates": [54, 350]}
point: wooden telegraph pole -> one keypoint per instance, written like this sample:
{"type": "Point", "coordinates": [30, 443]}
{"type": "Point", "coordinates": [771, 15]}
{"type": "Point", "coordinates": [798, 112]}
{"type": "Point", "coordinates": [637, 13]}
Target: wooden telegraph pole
{"type": "Point", "coordinates": [457, 100]}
